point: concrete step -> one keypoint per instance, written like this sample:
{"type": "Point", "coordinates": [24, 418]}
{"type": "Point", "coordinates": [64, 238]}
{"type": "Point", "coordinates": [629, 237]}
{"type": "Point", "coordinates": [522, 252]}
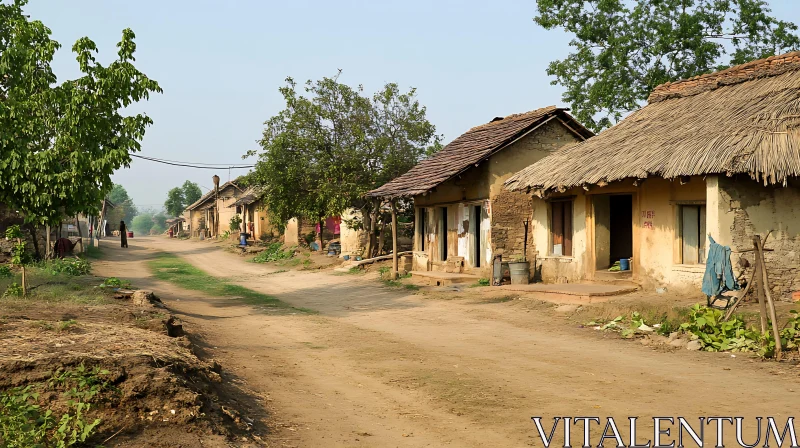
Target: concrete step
{"type": "Point", "coordinates": [444, 278]}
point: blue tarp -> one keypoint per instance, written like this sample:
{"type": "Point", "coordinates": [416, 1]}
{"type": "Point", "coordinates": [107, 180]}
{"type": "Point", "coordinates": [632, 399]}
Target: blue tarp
{"type": "Point", "coordinates": [719, 272]}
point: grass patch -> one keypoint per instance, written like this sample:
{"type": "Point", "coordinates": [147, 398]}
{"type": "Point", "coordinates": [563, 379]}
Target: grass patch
{"type": "Point", "coordinates": [173, 269]}
{"type": "Point", "coordinates": [44, 285]}
{"type": "Point", "coordinates": [480, 283]}
{"type": "Point", "coordinates": [93, 252]}
{"type": "Point", "coordinates": [65, 325]}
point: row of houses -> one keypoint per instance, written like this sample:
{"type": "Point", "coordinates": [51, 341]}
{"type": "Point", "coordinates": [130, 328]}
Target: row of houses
{"type": "Point", "coordinates": [716, 155]}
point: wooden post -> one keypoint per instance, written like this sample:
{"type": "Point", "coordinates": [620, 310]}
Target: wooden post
{"type": "Point", "coordinates": [101, 227]}
{"type": "Point", "coordinates": [47, 250]}
{"type": "Point", "coordinates": [24, 280]}
{"type": "Point", "coordinates": [772, 314]}
{"type": "Point", "coordinates": [762, 304]}
{"type": "Point", "coordinates": [80, 233]}
{"type": "Point", "coordinates": [394, 242]}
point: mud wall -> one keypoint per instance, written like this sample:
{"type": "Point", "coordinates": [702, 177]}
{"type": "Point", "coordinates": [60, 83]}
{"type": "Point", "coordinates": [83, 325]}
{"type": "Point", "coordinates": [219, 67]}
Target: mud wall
{"type": "Point", "coordinates": [748, 208]}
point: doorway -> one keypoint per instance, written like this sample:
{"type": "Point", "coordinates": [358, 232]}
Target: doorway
{"type": "Point", "coordinates": [613, 215]}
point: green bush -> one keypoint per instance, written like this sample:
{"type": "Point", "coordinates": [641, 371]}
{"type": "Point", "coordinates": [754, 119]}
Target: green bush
{"type": "Point", "coordinates": [705, 325]}
{"type": "Point", "coordinates": [235, 222]}
{"type": "Point", "coordinates": [13, 290]}
{"type": "Point", "coordinates": [69, 266]}
{"type": "Point", "coordinates": [274, 252]}
{"type": "Point", "coordinates": [24, 423]}
{"type": "Point", "coordinates": [5, 272]}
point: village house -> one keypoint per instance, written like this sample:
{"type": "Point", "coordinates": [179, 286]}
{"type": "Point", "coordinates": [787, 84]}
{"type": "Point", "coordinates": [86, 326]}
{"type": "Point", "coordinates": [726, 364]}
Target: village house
{"type": "Point", "coordinates": [716, 155]}
{"type": "Point", "coordinates": [463, 215]}
{"type": "Point", "coordinates": [230, 201]}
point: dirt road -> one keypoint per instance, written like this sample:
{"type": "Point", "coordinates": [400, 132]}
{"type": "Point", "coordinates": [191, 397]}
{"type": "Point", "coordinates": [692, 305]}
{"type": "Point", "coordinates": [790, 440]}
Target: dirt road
{"type": "Point", "coordinates": [378, 367]}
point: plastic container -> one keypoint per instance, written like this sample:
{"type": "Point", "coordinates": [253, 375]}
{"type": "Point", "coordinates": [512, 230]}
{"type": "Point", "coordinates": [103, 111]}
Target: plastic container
{"type": "Point", "coordinates": [243, 239]}
{"type": "Point", "coordinates": [130, 234]}
{"type": "Point", "coordinates": [625, 264]}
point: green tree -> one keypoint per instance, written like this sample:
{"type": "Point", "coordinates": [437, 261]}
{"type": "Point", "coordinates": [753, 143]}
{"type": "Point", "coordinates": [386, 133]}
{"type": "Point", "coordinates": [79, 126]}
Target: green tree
{"type": "Point", "coordinates": [175, 202]}
{"type": "Point", "coordinates": [123, 210]}
{"type": "Point", "coordinates": [142, 223]}
{"type": "Point", "coordinates": [191, 193]}
{"type": "Point", "coordinates": [60, 143]}
{"type": "Point", "coordinates": [326, 149]}
{"type": "Point", "coordinates": [623, 50]}
{"type": "Point", "coordinates": [159, 223]}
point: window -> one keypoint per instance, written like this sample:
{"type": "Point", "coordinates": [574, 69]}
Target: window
{"type": "Point", "coordinates": [561, 228]}
{"type": "Point", "coordinates": [693, 234]}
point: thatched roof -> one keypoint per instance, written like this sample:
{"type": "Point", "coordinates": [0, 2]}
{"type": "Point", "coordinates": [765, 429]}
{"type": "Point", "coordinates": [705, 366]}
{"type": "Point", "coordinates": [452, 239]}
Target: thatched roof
{"type": "Point", "coordinates": [471, 148]}
{"type": "Point", "coordinates": [741, 120]}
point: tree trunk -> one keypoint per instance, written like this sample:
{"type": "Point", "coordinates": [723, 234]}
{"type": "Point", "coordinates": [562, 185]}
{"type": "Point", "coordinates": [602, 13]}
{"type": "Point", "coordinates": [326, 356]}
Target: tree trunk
{"type": "Point", "coordinates": [32, 231]}
{"type": "Point", "coordinates": [367, 224]}
{"type": "Point", "coordinates": [380, 239]}
{"type": "Point", "coordinates": [394, 241]}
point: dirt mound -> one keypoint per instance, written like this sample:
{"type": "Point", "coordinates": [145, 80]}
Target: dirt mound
{"type": "Point", "coordinates": [147, 389]}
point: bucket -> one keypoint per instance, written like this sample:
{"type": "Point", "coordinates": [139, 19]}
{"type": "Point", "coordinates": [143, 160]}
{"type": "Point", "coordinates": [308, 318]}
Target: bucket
{"type": "Point", "coordinates": [243, 239]}
{"type": "Point", "coordinates": [520, 272]}
{"type": "Point", "coordinates": [625, 264]}
{"type": "Point", "coordinates": [130, 234]}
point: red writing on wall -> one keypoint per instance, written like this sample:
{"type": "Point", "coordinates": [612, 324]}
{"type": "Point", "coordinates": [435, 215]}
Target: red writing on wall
{"type": "Point", "coordinates": [648, 214]}
{"type": "Point", "coordinates": [648, 224]}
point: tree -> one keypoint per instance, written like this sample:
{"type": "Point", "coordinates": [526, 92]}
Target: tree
{"type": "Point", "coordinates": [325, 150]}
{"type": "Point", "coordinates": [142, 223]}
{"type": "Point", "coordinates": [60, 143]}
{"type": "Point", "coordinates": [191, 193]}
{"type": "Point", "coordinates": [159, 223]}
{"type": "Point", "coordinates": [623, 50]}
{"type": "Point", "coordinates": [175, 202]}
{"type": "Point", "coordinates": [123, 210]}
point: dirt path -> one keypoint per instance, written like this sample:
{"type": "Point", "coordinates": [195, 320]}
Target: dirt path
{"type": "Point", "coordinates": [380, 368]}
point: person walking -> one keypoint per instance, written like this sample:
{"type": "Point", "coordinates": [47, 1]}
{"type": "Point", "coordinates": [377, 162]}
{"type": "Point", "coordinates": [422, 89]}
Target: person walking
{"type": "Point", "coordinates": [123, 234]}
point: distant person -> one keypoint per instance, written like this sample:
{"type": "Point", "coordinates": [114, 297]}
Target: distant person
{"type": "Point", "coordinates": [123, 234]}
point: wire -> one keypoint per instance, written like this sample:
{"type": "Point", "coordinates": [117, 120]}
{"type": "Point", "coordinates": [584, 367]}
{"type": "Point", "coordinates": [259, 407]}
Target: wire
{"type": "Point", "coordinates": [191, 165]}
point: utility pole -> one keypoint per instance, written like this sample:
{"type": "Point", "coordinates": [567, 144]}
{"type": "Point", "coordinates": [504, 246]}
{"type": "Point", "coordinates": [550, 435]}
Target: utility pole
{"type": "Point", "coordinates": [216, 205]}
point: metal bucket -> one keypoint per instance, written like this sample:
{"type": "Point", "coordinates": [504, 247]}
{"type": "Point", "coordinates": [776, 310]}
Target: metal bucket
{"type": "Point", "coordinates": [520, 272]}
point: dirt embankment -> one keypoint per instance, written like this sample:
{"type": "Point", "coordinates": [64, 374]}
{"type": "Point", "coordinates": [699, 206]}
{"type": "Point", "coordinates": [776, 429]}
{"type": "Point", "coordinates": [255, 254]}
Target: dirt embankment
{"type": "Point", "coordinates": [148, 389]}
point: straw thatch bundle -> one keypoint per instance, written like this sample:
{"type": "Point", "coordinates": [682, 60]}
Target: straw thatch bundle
{"type": "Point", "coordinates": [741, 120]}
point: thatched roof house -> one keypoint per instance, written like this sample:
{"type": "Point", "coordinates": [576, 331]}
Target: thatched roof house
{"type": "Point", "coordinates": [464, 217]}
{"type": "Point", "coordinates": [741, 120]}
{"type": "Point", "coordinates": [718, 155]}
{"type": "Point", "coordinates": [472, 148]}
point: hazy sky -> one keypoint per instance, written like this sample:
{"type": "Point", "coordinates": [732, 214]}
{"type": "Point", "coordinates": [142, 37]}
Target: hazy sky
{"type": "Point", "coordinates": [220, 65]}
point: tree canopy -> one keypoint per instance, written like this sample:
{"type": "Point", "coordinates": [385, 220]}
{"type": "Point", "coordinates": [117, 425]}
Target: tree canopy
{"type": "Point", "coordinates": [123, 210]}
{"type": "Point", "coordinates": [174, 203]}
{"type": "Point", "coordinates": [60, 143]}
{"type": "Point", "coordinates": [191, 193]}
{"type": "Point", "coordinates": [624, 49]}
{"type": "Point", "coordinates": [331, 144]}
{"type": "Point", "coordinates": [181, 197]}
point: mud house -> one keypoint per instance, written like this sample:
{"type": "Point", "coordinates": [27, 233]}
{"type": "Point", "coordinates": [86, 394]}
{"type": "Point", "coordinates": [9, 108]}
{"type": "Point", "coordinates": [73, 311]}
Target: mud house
{"type": "Point", "coordinates": [212, 206]}
{"type": "Point", "coordinates": [716, 155]}
{"type": "Point", "coordinates": [463, 215]}
{"type": "Point", "coordinates": [252, 211]}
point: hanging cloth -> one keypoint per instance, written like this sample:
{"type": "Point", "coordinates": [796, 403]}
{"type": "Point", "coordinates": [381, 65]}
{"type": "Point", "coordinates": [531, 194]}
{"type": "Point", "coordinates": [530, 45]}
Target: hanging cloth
{"type": "Point", "coordinates": [719, 276]}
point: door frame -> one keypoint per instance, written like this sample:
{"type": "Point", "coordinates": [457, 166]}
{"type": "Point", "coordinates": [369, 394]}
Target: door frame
{"type": "Point", "coordinates": [590, 260]}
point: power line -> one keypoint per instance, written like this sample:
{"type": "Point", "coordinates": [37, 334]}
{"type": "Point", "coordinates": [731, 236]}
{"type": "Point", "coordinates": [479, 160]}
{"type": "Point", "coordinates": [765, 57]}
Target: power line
{"type": "Point", "coordinates": [192, 165]}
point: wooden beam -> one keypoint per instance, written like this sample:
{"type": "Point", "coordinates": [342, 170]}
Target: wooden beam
{"type": "Point", "coordinates": [394, 241]}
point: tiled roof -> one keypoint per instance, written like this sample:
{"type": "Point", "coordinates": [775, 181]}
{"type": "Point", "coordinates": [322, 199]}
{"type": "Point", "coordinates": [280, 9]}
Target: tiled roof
{"type": "Point", "coordinates": [471, 148]}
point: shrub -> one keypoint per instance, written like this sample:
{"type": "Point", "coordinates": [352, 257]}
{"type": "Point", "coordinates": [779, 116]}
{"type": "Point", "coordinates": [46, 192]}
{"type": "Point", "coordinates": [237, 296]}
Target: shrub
{"type": "Point", "coordinates": [273, 252]}
{"type": "Point", "coordinates": [13, 290]}
{"type": "Point", "coordinates": [69, 266]}
{"type": "Point", "coordinates": [5, 272]}
{"type": "Point", "coordinates": [235, 223]}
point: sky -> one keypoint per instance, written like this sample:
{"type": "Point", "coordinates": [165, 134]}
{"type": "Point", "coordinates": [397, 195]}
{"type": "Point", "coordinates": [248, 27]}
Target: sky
{"type": "Point", "coordinates": [221, 64]}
